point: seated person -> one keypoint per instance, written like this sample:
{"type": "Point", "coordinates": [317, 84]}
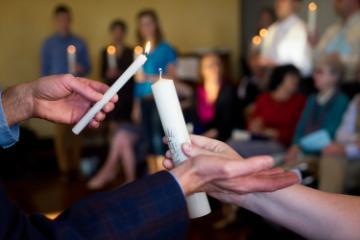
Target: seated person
{"type": "Point", "coordinates": [275, 114]}
{"type": "Point", "coordinates": [339, 165]}
{"type": "Point", "coordinates": [323, 111]}
{"type": "Point", "coordinates": [215, 100]}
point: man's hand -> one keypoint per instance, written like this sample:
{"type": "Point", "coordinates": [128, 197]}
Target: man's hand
{"type": "Point", "coordinates": [59, 98]}
{"type": "Point", "coordinates": [216, 168]}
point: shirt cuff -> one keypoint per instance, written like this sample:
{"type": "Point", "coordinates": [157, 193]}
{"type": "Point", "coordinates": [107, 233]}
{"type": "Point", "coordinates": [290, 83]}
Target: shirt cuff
{"type": "Point", "coordinates": [182, 190]}
{"type": "Point", "coordinates": [8, 135]}
{"type": "Point", "coordinates": [352, 151]}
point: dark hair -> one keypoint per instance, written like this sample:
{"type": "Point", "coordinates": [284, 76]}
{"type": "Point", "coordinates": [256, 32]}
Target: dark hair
{"type": "Point", "coordinates": [278, 75]}
{"type": "Point", "coordinates": [158, 33]}
{"type": "Point", "coordinates": [60, 9]}
{"type": "Point", "coordinates": [118, 23]}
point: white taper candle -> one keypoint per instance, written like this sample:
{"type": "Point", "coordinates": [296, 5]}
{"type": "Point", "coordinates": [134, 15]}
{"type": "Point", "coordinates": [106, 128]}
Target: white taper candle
{"type": "Point", "coordinates": [173, 122]}
{"type": "Point", "coordinates": [111, 56]}
{"type": "Point", "coordinates": [71, 58]}
{"type": "Point", "coordinates": [120, 82]}
{"type": "Point", "coordinates": [312, 17]}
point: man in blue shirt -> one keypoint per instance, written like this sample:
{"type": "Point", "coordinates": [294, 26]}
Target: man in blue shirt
{"type": "Point", "coordinates": [151, 208]}
{"type": "Point", "coordinates": [55, 60]}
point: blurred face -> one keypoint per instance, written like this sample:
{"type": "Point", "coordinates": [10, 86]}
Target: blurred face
{"type": "Point", "coordinates": [211, 68]}
{"type": "Point", "coordinates": [284, 8]}
{"type": "Point", "coordinates": [63, 22]}
{"type": "Point", "coordinates": [265, 20]}
{"type": "Point", "coordinates": [345, 7]}
{"type": "Point", "coordinates": [324, 78]}
{"type": "Point", "coordinates": [118, 35]}
{"type": "Point", "coordinates": [290, 83]}
{"type": "Point", "coordinates": [147, 27]}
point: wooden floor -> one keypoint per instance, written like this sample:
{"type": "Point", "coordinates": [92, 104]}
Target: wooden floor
{"type": "Point", "coordinates": [50, 195]}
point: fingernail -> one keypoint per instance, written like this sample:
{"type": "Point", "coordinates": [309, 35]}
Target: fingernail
{"type": "Point", "coordinates": [187, 147]}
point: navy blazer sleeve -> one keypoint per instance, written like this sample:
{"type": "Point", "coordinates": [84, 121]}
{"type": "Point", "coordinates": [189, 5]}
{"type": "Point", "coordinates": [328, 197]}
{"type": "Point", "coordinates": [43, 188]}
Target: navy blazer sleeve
{"type": "Point", "coordinates": [151, 208]}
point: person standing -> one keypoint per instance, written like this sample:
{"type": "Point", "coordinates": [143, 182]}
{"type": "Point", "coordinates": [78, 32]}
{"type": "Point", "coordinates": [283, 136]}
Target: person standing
{"type": "Point", "coordinates": [162, 55]}
{"type": "Point", "coordinates": [54, 60]}
{"type": "Point", "coordinates": [342, 41]}
{"type": "Point", "coordinates": [287, 39]}
{"type": "Point", "coordinates": [124, 57]}
{"type": "Point", "coordinates": [123, 133]}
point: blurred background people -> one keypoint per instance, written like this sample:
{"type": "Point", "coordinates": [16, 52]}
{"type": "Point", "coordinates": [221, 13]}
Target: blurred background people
{"type": "Point", "coordinates": [54, 60]}
{"type": "Point", "coordinates": [162, 56]}
{"type": "Point", "coordinates": [124, 57]}
{"type": "Point", "coordinates": [288, 33]}
{"type": "Point", "coordinates": [123, 132]}
{"type": "Point", "coordinates": [215, 100]}
{"type": "Point", "coordinates": [323, 111]}
{"type": "Point", "coordinates": [341, 40]}
{"type": "Point", "coordinates": [274, 116]}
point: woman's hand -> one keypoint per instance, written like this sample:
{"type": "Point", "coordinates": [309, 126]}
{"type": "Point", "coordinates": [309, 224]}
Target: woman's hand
{"type": "Point", "coordinates": [216, 168]}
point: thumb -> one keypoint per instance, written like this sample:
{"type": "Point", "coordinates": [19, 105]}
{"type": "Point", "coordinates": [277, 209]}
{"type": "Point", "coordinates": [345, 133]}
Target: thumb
{"type": "Point", "coordinates": [191, 150]}
{"type": "Point", "coordinates": [82, 87]}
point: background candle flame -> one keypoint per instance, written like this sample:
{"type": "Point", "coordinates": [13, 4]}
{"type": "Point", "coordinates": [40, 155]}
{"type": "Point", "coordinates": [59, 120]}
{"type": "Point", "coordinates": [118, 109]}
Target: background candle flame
{"type": "Point", "coordinates": [263, 32]}
{"type": "Point", "coordinates": [111, 49]}
{"type": "Point", "coordinates": [312, 6]}
{"type": "Point", "coordinates": [138, 50]}
{"type": "Point", "coordinates": [71, 49]}
{"type": "Point", "coordinates": [256, 40]}
{"type": "Point", "coordinates": [147, 47]}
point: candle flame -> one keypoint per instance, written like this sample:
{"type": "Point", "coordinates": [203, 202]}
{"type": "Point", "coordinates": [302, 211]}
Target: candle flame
{"type": "Point", "coordinates": [312, 6]}
{"type": "Point", "coordinates": [71, 49]}
{"type": "Point", "coordinates": [256, 40]}
{"type": "Point", "coordinates": [147, 47]}
{"type": "Point", "coordinates": [138, 50]}
{"type": "Point", "coordinates": [111, 50]}
{"type": "Point", "coordinates": [263, 32]}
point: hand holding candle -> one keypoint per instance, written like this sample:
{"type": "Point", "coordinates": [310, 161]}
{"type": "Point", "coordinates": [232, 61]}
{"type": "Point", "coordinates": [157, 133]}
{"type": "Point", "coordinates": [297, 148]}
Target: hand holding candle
{"type": "Point", "coordinates": [119, 83]}
{"type": "Point", "coordinates": [173, 122]}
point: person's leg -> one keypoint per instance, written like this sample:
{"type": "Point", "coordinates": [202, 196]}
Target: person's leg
{"type": "Point", "coordinates": [62, 152]}
{"type": "Point", "coordinates": [75, 145]}
{"type": "Point", "coordinates": [127, 155]}
{"type": "Point", "coordinates": [109, 170]}
{"type": "Point", "coordinates": [332, 173]}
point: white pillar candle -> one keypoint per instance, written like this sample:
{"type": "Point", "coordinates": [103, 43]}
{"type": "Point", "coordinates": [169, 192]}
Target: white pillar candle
{"type": "Point", "coordinates": [111, 57]}
{"type": "Point", "coordinates": [71, 58]}
{"type": "Point", "coordinates": [174, 126]}
{"type": "Point", "coordinates": [312, 17]}
{"type": "Point", "coordinates": [118, 84]}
